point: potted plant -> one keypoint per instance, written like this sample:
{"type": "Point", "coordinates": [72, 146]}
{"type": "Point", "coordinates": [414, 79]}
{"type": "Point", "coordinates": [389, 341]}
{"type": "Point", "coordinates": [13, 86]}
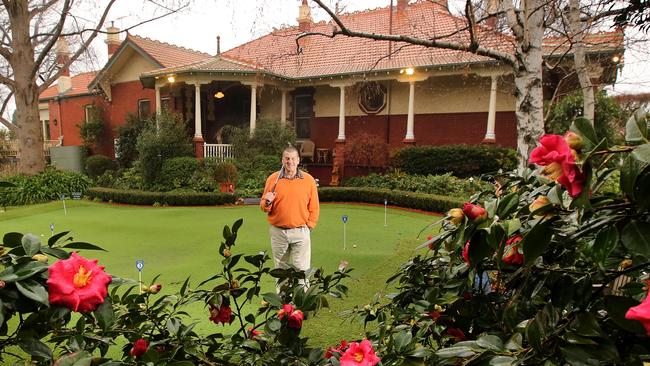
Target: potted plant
{"type": "Point", "coordinates": [226, 175]}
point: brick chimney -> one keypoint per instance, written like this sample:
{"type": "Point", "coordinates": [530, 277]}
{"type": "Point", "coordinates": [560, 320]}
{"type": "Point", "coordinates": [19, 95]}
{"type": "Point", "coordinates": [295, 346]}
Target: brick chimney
{"type": "Point", "coordinates": [112, 39]}
{"type": "Point", "coordinates": [304, 17]}
{"type": "Point", "coordinates": [64, 83]}
{"type": "Point", "coordinates": [402, 5]}
{"type": "Point", "coordinates": [492, 8]}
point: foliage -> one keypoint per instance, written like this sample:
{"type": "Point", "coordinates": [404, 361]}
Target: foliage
{"type": "Point", "coordinates": [126, 151]}
{"type": "Point", "coordinates": [459, 160]}
{"type": "Point", "coordinates": [92, 130]}
{"type": "Point", "coordinates": [177, 173]}
{"type": "Point", "coordinates": [253, 173]}
{"type": "Point", "coordinates": [165, 138]}
{"type": "Point", "coordinates": [526, 274]}
{"type": "Point", "coordinates": [225, 172]}
{"type": "Point", "coordinates": [442, 185]}
{"type": "Point", "coordinates": [366, 149]}
{"type": "Point", "coordinates": [44, 187]}
{"type": "Point", "coordinates": [420, 201]}
{"type": "Point", "coordinates": [173, 198]}
{"type": "Point", "coordinates": [96, 165]}
{"type": "Point", "coordinates": [608, 117]}
{"type": "Point", "coordinates": [155, 325]}
{"type": "Point", "coordinates": [269, 138]}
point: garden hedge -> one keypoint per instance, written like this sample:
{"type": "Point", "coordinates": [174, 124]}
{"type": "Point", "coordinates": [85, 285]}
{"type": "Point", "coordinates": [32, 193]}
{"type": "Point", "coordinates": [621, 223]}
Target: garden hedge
{"type": "Point", "coordinates": [136, 197]}
{"type": "Point", "coordinates": [420, 201]}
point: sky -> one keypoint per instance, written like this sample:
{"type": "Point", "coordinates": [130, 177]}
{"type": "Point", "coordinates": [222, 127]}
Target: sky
{"type": "Point", "coordinates": [239, 21]}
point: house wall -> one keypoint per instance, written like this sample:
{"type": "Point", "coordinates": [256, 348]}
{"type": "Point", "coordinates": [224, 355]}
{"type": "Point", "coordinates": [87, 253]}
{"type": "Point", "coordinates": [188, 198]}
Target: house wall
{"type": "Point", "coordinates": [131, 69]}
{"type": "Point", "coordinates": [270, 102]}
{"type": "Point", "coordinates": [69, 113]}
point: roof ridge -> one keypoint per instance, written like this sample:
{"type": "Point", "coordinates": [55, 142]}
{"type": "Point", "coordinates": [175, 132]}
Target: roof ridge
{"type": "Point", "coordinates": [169, 44]}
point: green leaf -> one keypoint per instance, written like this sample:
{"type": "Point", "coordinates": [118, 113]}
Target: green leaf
{"type": "Point", "coordinates": [642, 189]}
{"type": "Point", "coordinates": [82, 245]}
{"type": "Point", "coordinates": [479, 248]}
{"type": "Point", "coordinates": [642, 153]}
{"type": "Point", "coordinates": [402, 340]}
{"type": "Point", "coordinates": [585, 324]}
{"type": "Point", "coordinates": [81, 358]}
{"type": "Point", "coordinates": [503, 361]}
{"type": "Point", "coordinates": [563, 291]}
{"type": "Point", "coordinates": [536, 241]}
{"type": "Point", "coordinates": [491, 342]}
{"type": "Point", "coordinates": [251, 345]}
{"type": "Point", "coordinates": [636, 129]}
{"type": "Point", "coordinates": [421, 352]}
{"type": "Point", "coordinates": [35, 347]}
{"type": "Point", "coordinates": [617, 307]}
{"type": "Point", "coordinates": [605, 243]}
{"type": "Point", "coordinates": [515, 342]}
{"type": "Point", "coordinates": [33, 290]}
{"type": "Point", "coordinates": [636, 237]}
{"type": "Point", "coordinates": [274, 299]}
{"type": "Point", "coordinates": [56, 252]}
{"type": "Point", "coordinates": [54, 238]}
{"type": "Point", "coordinates": [574, 338]}
{"type": "Point", "coordinates": [21, 272]}
{"type": "Point", "coordinates": [250, 318]}
{"type": "Point", "coordinates": [180, 363]}
{"type": "Point", "coordinates": [104, 314]}
{"type": "Point", "coordinates": [274, 324]}
{"type": "Point", "coordinates": [237, 225]}
{"type": "Point", "coordinates": [226, 232]}
{"type": "Point", "coordinates": [508, 204]}
{"type": "Point", "coordinates": [4, 184]}
{"type": "Point", "coordinates": [533, 334]}
{"type": "Point", "coordinates": [31, 244]}
{"type": "Point", "coordinates": [12, 240]}
{"type": "Point", "coordinates": [629, 173]}
{"type": "Point", "coordinates": [452, 352]}
{"type": "Point", "coordinates": [585, 129]}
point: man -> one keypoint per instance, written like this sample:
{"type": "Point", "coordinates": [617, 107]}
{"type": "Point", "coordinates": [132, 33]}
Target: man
{"type": "Point", "coordinates": [291, 200]}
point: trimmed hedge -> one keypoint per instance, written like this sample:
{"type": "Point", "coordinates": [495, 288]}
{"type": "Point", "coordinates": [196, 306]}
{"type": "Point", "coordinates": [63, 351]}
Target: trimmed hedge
{"type": "Point", "coordinates": [459, 160]}
{"type": "Point", "coordinates": [136, 197]}
{"type": "Point", "coordinates": [97, 165]}
{"type": "Point", "coordinates": [420, 201]}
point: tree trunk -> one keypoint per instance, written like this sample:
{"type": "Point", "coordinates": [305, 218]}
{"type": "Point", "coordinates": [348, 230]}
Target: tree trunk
{"type": "Point", "coordinates": [577, 31]}
{"type": "Point", "coordinates": [32, 159]}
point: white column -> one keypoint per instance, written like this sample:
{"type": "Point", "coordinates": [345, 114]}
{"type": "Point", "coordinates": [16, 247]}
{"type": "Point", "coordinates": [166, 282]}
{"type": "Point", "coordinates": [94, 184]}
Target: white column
{"type": "Point", "coordinates": [341, 135]}
{"type": "Point", "coordinates": [489, 133]}
{"type": "Point", "coordinates": [283, 109]}
{"type": "Point", "coordinates": [197, 110]}
{"type": "Point", "coordinates": [158, 106]}
{"type": "Point", "coordinates": [409, 119]}
{"type": "Point", "coordinates": [253, 118]}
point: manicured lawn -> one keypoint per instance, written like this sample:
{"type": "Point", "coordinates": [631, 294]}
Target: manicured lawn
{"type": "Point", "coordinates": [177, 242]}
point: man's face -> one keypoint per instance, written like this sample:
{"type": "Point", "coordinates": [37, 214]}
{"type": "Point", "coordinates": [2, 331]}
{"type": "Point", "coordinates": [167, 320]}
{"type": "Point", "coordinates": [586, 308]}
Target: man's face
{"type": "Point", "coordinates": [290, 160]}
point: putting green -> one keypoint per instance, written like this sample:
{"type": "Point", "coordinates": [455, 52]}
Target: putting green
{"type": "Point", "coordinates": [177, 242]}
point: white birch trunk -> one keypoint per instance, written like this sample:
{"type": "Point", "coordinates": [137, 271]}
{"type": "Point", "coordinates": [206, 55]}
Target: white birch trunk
{"type": "Point", "coordinates": [577, 31]}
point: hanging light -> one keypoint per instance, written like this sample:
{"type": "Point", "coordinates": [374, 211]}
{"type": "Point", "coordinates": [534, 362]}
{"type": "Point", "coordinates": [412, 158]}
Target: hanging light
{"type": "Point", "coordinates": [219, 94]}
{"type": "Point", "coordinates": [171, 78]}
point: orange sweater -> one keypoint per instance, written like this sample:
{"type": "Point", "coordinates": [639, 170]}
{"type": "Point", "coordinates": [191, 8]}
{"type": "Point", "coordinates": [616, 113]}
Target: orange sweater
{"type": "Point", "coordinates": [296, 201]}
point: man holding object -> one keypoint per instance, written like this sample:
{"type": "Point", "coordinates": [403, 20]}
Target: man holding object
{"type": "Point", "coordinates": [291, 200]}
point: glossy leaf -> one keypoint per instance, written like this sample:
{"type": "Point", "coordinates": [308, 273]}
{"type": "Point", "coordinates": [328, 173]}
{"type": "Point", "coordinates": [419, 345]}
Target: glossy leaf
{"type": "Point", "coordinates": [585, 129]}
{"type": "Point", "coordinates": [455, 352]}
{"type": "Point", "coordinates": [636, 129]}
{"type": "Point", "coordinates": [642, 153]}
{"type": "Point", "coordinates": [617, 307]}
{"type": "Point", "coordinates": [629, 173]}
{"type": "Point", "coordinates": [12, 240]}
{"type": "Point", "coordinates": [104, 314]}
{"type": "Point", "coordinates": [33, 290]}
{"type": "Point", "coordinates": [54, 238]}
{"type": "Point", "coordinates": [491, 342]}
{"type": "Point", "coordinates": [81, 358]}
{"type": "Point", "coordinates": [31, 244]}
{"type": "Point", "coordinates": [82, 245]}
{"type": "Point", "coordinates": [636, 237]}
{"type": "Point", "coordinates": [503, 361]}
{"type": "Point", "coordinates": [273, 299]}
{"type": "Point", "coordinates": [605, 243]}
{"type": "Point", "coordinates": [35, 347]}
{"type": "Point", "coordinates": [536, 241]}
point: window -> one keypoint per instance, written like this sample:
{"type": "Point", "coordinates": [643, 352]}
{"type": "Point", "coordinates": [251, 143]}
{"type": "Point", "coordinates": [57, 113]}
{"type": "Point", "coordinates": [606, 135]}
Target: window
{"type": "Point", "coordinates": [165, 104]}
{"type": "Point", "coordinates": [302, 113]}
{"type": "Point", "coordinates": [88, 110]}
{"type": "Point", "coordinates": [144, 108]}
{"type": "Point", "coordinates": [46, 129]}
{"type": "Point", "coordinates": [372, 97]}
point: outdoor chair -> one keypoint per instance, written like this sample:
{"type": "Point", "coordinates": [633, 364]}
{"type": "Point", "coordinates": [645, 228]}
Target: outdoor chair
{"type": "Point", "coordinates": [307, 148]}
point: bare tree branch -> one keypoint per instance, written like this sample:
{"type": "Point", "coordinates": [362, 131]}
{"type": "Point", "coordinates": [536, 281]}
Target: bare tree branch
{"type": "Point", "coordinates": [41, 9]}
{"type": "Point", "coordinates": [53, 39]}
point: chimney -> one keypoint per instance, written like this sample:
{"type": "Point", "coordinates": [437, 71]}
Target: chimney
{"type": "Point", "coordinates": [402, 5]}
{"type": "Point", "coordinates": [218, 45]}
{"type": "Point", "coordinates": [492, 9]}
{"type": "Point", "coordinates": [304, 17]}
{"type": "Point", "coordinates": [64, 83]}
{"type": "Point", "coordinates": [112, 39]}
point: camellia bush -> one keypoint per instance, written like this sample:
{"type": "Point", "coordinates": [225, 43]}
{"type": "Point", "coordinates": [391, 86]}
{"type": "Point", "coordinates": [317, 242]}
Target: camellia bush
{"type": "Point", "coordinates": [72, 312]}
{"type": "Point", "coordinates": [543, 270]}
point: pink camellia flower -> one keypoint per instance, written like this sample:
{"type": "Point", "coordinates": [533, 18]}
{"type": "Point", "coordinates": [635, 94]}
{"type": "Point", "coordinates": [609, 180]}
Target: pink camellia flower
{"type": "Point", "coordinates": [155, 288]}
{"type": "Point", "coordinates": [77, 283]}
{"type": "Point", "coordinates": [339, 350]}
{"type": "Point", "coordinates": [254, 333]}
{"type": "Point", "coordinates": [359, 354]}
{"type": "Point", "coordinates": [475, 213]}
{"type": "Point", "coordinates": [458, 334]}
{"type": "Point", "coordinates": [287, 309]}
{"type": "Point", "coordinates": [511, 253]}
{"type": "Point", "coordinates": [466, 253]}
{"type": "Point", "coordinates": [139, 348]}
{"type": "Point", "coordinates": [221, 314]}
{"type": "Point", "coordinates": [641, 312]}
{"type": "Point", "coordinates": [558, 161]}
{"type": "Point", "coordinates": [295, 319]}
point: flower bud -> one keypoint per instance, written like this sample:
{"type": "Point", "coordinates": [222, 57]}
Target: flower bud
{"type": "Point", "coordinates": [226, 252]}
{"type": "Point", "coordinates": [264, 303]}
{"type": "Point", "coordinates": [538, 203]}
{"type": "Point", "coordinates": [573, 140]}
{"type": "Point", "coordinates": [154, 289]}
{"type": "Point", "coordinates": [475, 213]}
{"type": "Point", "coordinates": [456, 216]}
{"type": "Point", "coordinates": [2, 250]}
{"type": "Point", "coordinates": [343, 265]}
{"type": "Point", "coordinates": [234, 285]}
{"type": "Point", "coordinates": [2, 284]}
{"type": "Point", "coordinates": [625, 263]}
{"type": "Point", "coordinates": [40, 257]}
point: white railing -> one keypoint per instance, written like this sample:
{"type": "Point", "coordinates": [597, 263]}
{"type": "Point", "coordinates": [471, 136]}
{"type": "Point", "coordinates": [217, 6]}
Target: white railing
{"type": "Point", "coordinates": [10, 148]}
{"type": "Point", "coordinates": [219, 151]}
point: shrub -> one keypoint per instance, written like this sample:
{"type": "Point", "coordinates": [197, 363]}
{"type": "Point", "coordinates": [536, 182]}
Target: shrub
{"type": "Point", "coordinates": [126, 150]}
{"type": "Point", "coordinates": [96, 165]}
{"type": "Point", "coordinates": [174, 198]}
{"type": "Point", "coordinates": [47, 186]}
{"type": "Point", "coordinates": [459, 160]}
{"type": "Point", "coordinates": [419, 201]}
{"type": "Point", "coordinates": [177, 173]}
{"type": "Point", "coordinates": [92, 130]}
{"type": "Point", "coordinates": [253, 173]}
{"type": "Point", "coordinates": [444, 185]}
{"type": "Point", "coordinates": [162, 139]}
{"type": "Point", "coordinates": [225, 172]}
{"type": "Point", "coordinates": [269, 138]}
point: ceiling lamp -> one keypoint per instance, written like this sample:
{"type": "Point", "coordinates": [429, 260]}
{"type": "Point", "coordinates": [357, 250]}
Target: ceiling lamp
{"type": "Point", "coordinates": [407, 71]}
{"type": "Point", "coordinates": [219, 94]}
{"type": "Point", "coordinates": [171, 78]}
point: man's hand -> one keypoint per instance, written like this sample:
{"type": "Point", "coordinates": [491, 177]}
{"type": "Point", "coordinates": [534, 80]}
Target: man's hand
{"type": "Point", "coordinates": [269, 197]}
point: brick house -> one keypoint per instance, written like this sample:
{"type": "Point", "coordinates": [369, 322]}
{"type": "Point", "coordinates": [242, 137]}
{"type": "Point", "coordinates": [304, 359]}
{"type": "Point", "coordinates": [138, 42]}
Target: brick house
{"type": "Point", "coordinates": [330, 89]}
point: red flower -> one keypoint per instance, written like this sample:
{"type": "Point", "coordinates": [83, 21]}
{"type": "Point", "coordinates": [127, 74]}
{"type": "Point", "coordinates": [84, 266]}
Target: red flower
{"type": "Point", "coordinates": [330, 351]}
{"type": "Point", "coordinates": [295, 319]}
{"type": "Point", "coordinates": [466, 253]}
{"type": "Point", "coordinates": [221, 314]}
{"type": "Point", "coordinates": [434, 315]}
{"type": "Point", "coordinates": [254, 333]}
{"type": "Point", "coordinates": [430, 246]}
{"type": "Point", "coordinates": [77, 283]}
{"type": "Point", "coordinates": [287, 309]}
{"type": "Point", "coordinates": [139, 348]}
{"type": "Point", "coordinates": [641, 312]}
{"type": "Point", "coordinates": [458, 334]}
{"type": "Point", "coordinates": [475, 213]}
{"type": "Point", "coordinates": [359, 354]}
{"type": "Point", "coordinates": [559, 162]}
{"type": "Point", "coordinates": [511, 254]}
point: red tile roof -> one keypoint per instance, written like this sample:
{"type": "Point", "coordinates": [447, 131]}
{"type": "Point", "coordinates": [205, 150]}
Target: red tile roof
{"type": "Point", "coordinates": [594, 42]}
{"type": "Point", "coordinates": [79, 86]}
{"type": "Point", "coordinates": [166, 54]}
{"type": "Point", "coordinates": [216, 63]}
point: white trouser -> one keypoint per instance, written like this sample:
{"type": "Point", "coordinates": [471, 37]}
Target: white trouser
{"type": "Point", "coordinates": [291, 247]}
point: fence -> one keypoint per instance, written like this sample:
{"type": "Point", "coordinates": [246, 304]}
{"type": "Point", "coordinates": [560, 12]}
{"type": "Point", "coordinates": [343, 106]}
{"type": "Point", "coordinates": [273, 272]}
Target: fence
{"type": "Point", "coordinates": [219, 151]}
